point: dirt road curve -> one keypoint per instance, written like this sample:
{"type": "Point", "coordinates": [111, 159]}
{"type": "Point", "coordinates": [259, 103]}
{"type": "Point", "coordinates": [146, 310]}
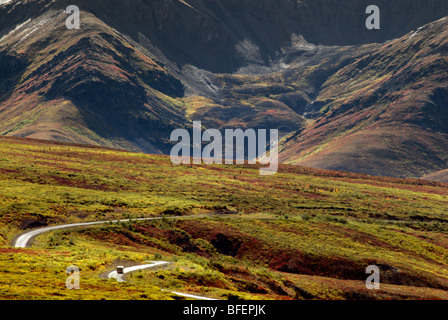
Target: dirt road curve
{"type": "Point", "coordinates": [24, 240]}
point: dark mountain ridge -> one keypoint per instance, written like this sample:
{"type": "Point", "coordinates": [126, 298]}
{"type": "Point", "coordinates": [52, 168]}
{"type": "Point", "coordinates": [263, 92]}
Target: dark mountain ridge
{"type": "Point", "coordinates": [207, 33]}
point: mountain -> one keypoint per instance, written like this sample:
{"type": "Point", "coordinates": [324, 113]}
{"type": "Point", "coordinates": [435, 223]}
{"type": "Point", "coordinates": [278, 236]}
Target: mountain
{"type": "Point", "coordinates": [86, 86]}
{"type": "Point", "coordinates": [439, 176]}
{"type": "Point", "coordinates": [343, 97]}
{"type": "Point", "coordinates": [385, 113]}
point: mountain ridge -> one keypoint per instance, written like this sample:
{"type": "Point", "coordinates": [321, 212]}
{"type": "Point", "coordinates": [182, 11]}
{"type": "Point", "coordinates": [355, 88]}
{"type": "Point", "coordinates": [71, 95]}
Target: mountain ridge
{"type": "Point", "coordinates": [404, 99]}
{"type": "Point", "coordinates": [127, 80]}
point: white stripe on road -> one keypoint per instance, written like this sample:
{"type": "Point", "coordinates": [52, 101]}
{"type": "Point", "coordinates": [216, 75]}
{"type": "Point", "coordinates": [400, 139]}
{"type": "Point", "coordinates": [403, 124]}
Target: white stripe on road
{"type": "Point", "coordinates": [190, 296]}
{"type": "Point", "coordinates": [115, 275]}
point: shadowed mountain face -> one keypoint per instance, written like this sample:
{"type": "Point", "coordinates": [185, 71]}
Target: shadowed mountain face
{"type": "Point", "coordinates": [340, 96]}
{"type": "Point", "coordinates": [222, 36]}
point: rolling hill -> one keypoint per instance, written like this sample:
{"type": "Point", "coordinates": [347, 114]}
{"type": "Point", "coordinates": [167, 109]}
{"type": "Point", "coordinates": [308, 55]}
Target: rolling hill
{"type": "Point", "coordinates": [301, 234]}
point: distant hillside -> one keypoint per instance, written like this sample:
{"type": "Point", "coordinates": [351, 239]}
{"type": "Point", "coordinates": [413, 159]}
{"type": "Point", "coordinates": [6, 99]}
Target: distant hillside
{"type": "Point", "coordinates": [136, 70]}
{"type": "Point", "coordinates": [439, 176]}
{"type": "Point", "coordinates": [385, 113]}
{"type": "Point", "coordinates": [223, 36]}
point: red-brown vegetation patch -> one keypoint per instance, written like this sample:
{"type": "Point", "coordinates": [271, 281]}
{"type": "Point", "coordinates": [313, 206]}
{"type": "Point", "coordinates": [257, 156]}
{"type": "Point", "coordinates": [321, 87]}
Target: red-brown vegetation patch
{"type": "Point", "coordinates": [31, 252]}
{"type": "Point", "coordinates": [293, 261]}
{"type": "Point", "coordinates": [225, 239]}
{"type": "Point", "coordinates": [361, 237]}
{"type": "Point", "coordinates": [360, 178]}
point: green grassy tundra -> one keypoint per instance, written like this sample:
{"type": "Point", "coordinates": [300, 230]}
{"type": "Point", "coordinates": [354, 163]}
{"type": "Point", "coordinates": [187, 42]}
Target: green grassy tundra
{"type": "Point", "coordinates": [300, 234]}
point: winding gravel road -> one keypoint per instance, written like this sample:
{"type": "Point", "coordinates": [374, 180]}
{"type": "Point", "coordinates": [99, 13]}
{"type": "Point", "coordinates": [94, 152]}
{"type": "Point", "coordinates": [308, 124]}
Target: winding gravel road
{"type": "Point", "coordinates": [24, 240]}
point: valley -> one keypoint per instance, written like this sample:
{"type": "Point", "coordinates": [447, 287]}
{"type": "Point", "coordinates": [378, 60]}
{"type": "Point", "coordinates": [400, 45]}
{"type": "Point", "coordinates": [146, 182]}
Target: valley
{"type": "Point", "coordinates": [89, 119]}
{"type": "Point", "coordinates": [342, 97]}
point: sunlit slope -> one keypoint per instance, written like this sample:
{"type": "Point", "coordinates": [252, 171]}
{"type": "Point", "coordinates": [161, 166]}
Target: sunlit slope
{"type": "Point", "coordinates": [440, 176]}
{"type": "Point", "coordinates": [384, 113]}
{"type": "Point", "coordinates": [91, 86]}
{"type": "Point", "coordinates": [300, 234]}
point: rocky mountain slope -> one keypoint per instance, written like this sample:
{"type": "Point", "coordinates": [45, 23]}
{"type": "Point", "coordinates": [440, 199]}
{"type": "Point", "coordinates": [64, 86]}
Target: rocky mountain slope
{"type": "Point", "coordinates": [136, 70]}
{"type": "Point", "coordinates": [387, 109]}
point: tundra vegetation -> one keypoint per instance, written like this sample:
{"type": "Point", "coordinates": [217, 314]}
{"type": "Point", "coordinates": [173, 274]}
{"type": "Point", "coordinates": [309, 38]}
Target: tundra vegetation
{"type": "Point", "coordinates": [299, 234]}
